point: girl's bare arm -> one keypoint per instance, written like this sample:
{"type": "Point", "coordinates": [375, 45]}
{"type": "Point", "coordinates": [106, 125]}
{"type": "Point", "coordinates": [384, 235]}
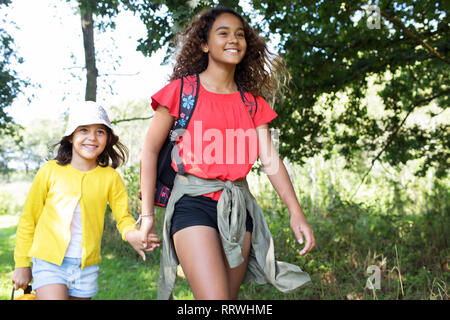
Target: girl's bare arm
{"type": "Point", "coordinates": [156, 135]}
{"type": "Point", "coordinates": [279, 178]}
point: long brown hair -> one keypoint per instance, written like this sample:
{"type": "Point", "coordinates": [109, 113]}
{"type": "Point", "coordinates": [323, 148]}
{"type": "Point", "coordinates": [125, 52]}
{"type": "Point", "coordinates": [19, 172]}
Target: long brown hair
{"type": "Point", "coordinates": [115, 151]}
{"type": "Point", "coordinates": [259, 70]}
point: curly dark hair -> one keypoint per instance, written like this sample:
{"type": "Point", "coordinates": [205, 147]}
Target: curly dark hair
{"type": "Point", "coordinates": [115, 151]}
{"type": "Point", "coordinates": [255, 73]}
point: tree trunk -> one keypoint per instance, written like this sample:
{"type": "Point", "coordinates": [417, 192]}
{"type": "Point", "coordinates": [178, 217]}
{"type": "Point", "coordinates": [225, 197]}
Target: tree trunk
{"type": "Point", "coordinates": [87, 24]}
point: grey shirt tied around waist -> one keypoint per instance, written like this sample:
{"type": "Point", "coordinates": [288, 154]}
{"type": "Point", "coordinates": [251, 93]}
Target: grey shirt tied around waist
{"type": "Point", "coordinates": [232, 208]}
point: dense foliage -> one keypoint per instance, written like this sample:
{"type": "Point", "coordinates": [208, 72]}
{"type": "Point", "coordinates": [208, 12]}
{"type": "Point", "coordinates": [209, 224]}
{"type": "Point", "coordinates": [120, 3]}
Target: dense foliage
{"type": "Point", "coordinates": [11, 86]}
{"type": "Point", "coordinates": [332, 47]}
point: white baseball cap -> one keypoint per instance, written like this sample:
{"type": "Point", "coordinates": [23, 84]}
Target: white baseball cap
{"type": "Point", "coordinates": [86, 113]}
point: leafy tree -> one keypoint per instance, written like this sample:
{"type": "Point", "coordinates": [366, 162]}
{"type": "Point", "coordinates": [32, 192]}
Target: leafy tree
{"type": "Point", "coordinates": [10, 83]}
{"type": "Point", "coordinates": [87, 25]}
{"type": "Point", "coordinates": [10, 88]}
{"type": "Point", "coordinates": [332, 47]}
{"type": "Point", "coordinates": [97, 14]}
{"type": "Point", "coordinates": [164, 19]}
{"type": "Point", "coordinates": [159, 26]}
{"type": "Point", "coordinates": [89, 9]}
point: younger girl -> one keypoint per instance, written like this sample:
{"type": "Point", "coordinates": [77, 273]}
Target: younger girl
{"type": "Point", "coordinates": [213, 226]}
{"type": "Point", "coordinates": [61, 225]}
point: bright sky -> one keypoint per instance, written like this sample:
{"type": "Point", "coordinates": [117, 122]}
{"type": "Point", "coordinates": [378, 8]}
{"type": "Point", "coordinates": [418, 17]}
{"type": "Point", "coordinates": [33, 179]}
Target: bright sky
{"type": "Point", "coordinates": [48, 37]}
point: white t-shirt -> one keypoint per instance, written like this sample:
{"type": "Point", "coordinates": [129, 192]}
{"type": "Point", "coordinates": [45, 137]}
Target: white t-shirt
{"type": "Point", "coordinates": [74, 248]}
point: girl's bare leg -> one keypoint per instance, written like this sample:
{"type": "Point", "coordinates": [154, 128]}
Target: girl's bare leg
{"type": "Point", "coordinates": [52, 292]}
{"type": "Point", "coordinates": [199, 251]}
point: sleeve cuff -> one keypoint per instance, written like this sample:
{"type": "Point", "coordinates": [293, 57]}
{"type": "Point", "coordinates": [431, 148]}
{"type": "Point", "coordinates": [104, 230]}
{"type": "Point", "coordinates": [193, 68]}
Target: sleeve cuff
{"type": "Point", "coordinates": [22, 262]}
{"type": "Point", "coordinates": [126, 230]}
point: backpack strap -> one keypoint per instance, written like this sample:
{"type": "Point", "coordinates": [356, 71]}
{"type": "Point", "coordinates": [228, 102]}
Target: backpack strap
{"type": "Point", "coordinates": [251, 106]}
{"type": "Point", "coordinates": [188, 100]}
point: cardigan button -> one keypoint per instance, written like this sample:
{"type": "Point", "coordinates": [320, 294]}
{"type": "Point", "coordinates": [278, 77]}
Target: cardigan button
{"type": "Point", "coordinates": [234, 239]}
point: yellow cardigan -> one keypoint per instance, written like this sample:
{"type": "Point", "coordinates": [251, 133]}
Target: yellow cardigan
{"type": "Point", "coordinates": [44, 227]}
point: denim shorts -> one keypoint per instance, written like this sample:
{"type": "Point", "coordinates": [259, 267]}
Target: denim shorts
{"type": "Point", "coordinates": [194, 211]}
{"type": "Point", "coordinates": [81, 283]}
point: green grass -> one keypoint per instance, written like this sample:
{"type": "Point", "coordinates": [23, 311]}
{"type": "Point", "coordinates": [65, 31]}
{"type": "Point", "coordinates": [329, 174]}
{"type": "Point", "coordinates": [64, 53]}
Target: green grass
{"type": "Point", "coordinates": [126, 279]}
{"type": "Point", "coordinates": [7, 240]}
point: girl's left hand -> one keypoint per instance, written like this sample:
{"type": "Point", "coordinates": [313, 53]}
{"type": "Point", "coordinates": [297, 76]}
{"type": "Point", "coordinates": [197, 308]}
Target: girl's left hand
{"type": "Point", "coordinates": [302, 230]}
{"type": "Point", "coordinates": [147, 229]}
{"type": "Point", "coordinates": [134, 237]}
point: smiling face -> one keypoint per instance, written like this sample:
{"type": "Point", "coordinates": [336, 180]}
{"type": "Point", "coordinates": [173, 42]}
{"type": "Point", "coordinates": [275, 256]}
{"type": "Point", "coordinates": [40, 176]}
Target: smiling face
{"type": "Point", "coordinates": [226, 40]}
{"type": "Point", "coordinates": [88, 142]}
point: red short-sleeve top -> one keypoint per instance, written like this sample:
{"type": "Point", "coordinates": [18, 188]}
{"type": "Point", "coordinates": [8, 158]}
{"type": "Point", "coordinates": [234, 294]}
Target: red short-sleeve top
{"type": "Point", "coordinates": [220, 141]}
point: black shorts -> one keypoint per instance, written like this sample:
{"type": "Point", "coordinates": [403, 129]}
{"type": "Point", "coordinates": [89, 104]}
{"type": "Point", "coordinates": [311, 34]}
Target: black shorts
{"type": "Point", "coordinates": [198, 211]}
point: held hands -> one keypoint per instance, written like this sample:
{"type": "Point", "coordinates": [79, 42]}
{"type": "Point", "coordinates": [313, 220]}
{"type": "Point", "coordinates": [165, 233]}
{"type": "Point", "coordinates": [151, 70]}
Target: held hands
{"type": "Point", "coordinates": [21, 277]}
{"type": "Point", "coordinates": [139, 240]}
{"type": "Point", "coordinates": [302, 230]}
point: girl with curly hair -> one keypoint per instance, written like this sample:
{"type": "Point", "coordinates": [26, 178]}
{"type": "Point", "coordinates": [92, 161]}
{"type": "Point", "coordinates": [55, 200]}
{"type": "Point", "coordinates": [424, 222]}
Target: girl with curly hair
{"type": "Point", "coordinates": [213, 226]}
